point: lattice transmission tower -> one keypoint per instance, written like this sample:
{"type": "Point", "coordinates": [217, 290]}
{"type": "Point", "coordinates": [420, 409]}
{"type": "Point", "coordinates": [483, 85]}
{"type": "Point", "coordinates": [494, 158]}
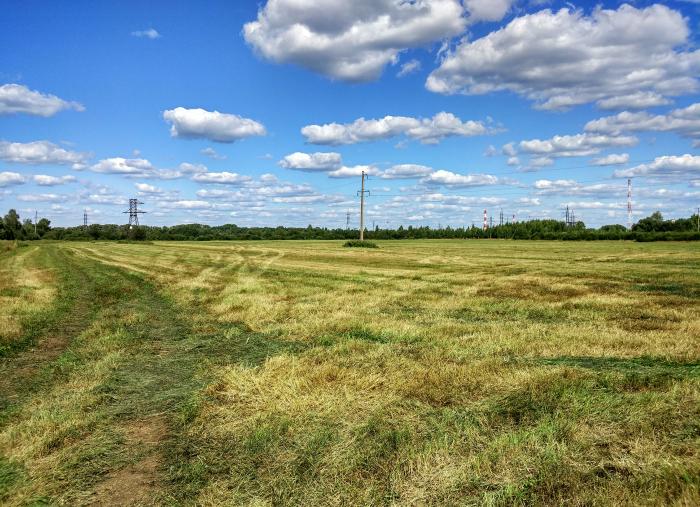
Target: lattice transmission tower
{"type": "Point", "coordinates": [134, 212]}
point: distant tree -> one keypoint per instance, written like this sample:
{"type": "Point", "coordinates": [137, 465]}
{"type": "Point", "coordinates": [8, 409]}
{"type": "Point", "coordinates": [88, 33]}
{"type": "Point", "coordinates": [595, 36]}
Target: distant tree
{"type": "Point", "coordinates": [43, 226]}
{"type": "Point", "coordinates": [13, 227]}
{"type": "Point", "coordinates": [652, 223]}
{"type": "Point", "coordinates": [28, 230]}
{"type": "Point", "coordinates": [138, 233]}
{"type": "Point", "coordinates": [613, 228]}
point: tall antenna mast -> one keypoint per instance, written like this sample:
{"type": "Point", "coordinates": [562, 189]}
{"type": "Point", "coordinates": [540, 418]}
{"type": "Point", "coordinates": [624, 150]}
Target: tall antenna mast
{"type": "Point", "coordinates": [36, 218]}
{"type": "Point", "coordinates": [629, 203]}
{"type": "Point", "coordinates": [347, 220]}
{"type": "Point", "coordinates": [134, 212]}
{"type": "Point", "coordinates": [85, 219]}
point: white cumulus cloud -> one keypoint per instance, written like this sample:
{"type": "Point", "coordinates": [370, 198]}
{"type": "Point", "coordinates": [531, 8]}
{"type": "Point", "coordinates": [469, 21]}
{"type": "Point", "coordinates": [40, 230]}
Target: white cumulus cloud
{"type": "Point", "coordinates": [667, 166]}
{"type": "Point", "coordinates": [43, 198]}
{"type": "Point", "coordinates": [488, 10]}
{"type": "Point", "coordinates": [425, 130]}
{"type": "Point", "coordinates": [150, 33]}
{"type": "Point", "coordinates": [212, 153]}
{"type": "Point", "coordinates": [40, 152]}
{"type": "Point", "coordinates": [450, 179]}
{"type": "Point", "coordinates": [187, 168]}
{"type": "Point", "coordinates": [148, 189]}
{"type": "Point", "coordinates": [213, 125]}
{"type": "Point", "coordinates": [15, 98]}
{"type": "Point", "coordinates": [401, 171]}
{"type": "Point", "coordinates": [574, 145]}
{"type": "Point", "coordinates": [565, 58]}
{"type": "Point", "coordinates": [409, 67]}
{"type": "Point", "coordinates": [120, 165]}
{"type": "Point", "coordinates": [612, 159]}
{"type": "Point", "coordinates": [50, 181]}
{"type": "Point", "coordinates": [352, 41]}
{"type": "Point", "coordinates": [224, 178]}
{"type": "Point", "coordinates": [318, 161]}
{"type": "Point", "coordinates": [354, 171]}
{"type": "Point", "coordinates": [8, 178]}
{"type": "Point", "coordinates": [684, 122]}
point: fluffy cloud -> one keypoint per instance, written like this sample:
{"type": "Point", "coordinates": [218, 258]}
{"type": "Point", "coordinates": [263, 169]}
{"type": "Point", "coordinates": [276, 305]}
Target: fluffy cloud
{"type": "Point", "coordinates": [457, 200]}
{"type": "Point", "coordinates": [187, 168]}
{"type": "Point", "coordinates": [212, 125]}
{"type": "Point", "coordinates": [451, 179]}
{"type": "Point", "coordinates": [400, 171]}
{"type": "Point", "coordinates": [354, 171]}
{"type": "Point", "coordinates": [9, 178]}
{"type": "Point", "coordinates": [574, 145]}
{"type": "Point", "coordinates": [43, 198]}
{"type": "Point", "coordinates": [529, 201]}
{"type": "Point", "coordinates": [487, 10]}
{"type": "Point", "coordinates": [352, 41]}
{"type": "Point", "coordinates": [573, 187]}
{"type": "Point", "coordinates": [685, 122]}
{"type": "Point", "coordinates": [268, 186]}
{"type": "Point", "coordinates": [509, 150]}
{"type": "Point", "coordinates": [151, 33]}
{"type": "Point", "coordinates": [409, 67]}
{"type": "Point", "coordinates": [565, 58]}
{"type": "Point", "coordinates": [50, 181]}
{"type": "Point", "coordinates": [490, 151]}
{"type": "Point", "coordinates": [142, 168]}
{"type": "Point", "coordinates": [148, 189]}
{"type": "Point", "coordinates": [191, 204]}
{"type": "Point", "coordinates": [217, 193]}
{"type": "Point", "coordinates": [119, 165]}
{"type": "Point", "coordinates": [212, 154]}
{"type": "Point", "coordinates": [666, 166]}
{"type": "Point", "coordinates": [637, 100]}
{"type": "Point", "coordinates": [40, 152]}
{"type": "Point", "coordinates": [591, 205]}
{"type": "Point", "coordinates": [318, 161]}
{"type": "Point", "coordinates": [104, 196]}
{"type": "Point", "coordinates": [308, 199]}
{"type": "Point", "coordinates": [15, 98]}
{"type": "Point", "coordinates": [426, 130]}
{"type": "Point", "coordinates": [612, 159]}
{"type": "Point", "coordinates": [224, 178]}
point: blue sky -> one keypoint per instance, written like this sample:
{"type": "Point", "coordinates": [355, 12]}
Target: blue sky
{"type": "Point", "coordinates": [265, 113]}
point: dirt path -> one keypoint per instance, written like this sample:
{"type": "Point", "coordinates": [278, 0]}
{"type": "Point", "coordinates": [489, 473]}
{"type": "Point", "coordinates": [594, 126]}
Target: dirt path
{"type": "Point", "coordinates": [136, 483]}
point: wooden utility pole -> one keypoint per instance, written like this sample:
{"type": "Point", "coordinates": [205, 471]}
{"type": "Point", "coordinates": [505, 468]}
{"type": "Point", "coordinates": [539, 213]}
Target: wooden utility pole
{"type": "Point", "coordinates": [362, 208]}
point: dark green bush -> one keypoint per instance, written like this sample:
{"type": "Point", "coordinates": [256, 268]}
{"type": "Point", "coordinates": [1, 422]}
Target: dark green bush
{"type": "Point", "coordinates": [356, 243]}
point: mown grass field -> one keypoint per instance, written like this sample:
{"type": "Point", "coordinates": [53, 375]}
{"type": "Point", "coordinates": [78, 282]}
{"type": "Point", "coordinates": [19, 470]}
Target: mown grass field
{"type": "Point", "coordinates": [303, 373]}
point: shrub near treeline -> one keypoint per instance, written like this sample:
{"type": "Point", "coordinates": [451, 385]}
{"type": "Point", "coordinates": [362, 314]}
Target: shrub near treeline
{"type": "Point", "coordinates": [652, 228]}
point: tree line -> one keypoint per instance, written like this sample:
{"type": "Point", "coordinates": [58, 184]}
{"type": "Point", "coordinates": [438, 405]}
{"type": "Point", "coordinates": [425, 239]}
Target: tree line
{"type": "Point", "coordinates": [651, 228]}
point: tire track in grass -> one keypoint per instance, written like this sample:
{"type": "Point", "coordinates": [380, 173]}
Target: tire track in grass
{"type": "Point", "coordinates": [131, 449]}
{"type": "Point", "coordinates": [154, 392]}
{"type": "Point", "coordinates": [49, 333]}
